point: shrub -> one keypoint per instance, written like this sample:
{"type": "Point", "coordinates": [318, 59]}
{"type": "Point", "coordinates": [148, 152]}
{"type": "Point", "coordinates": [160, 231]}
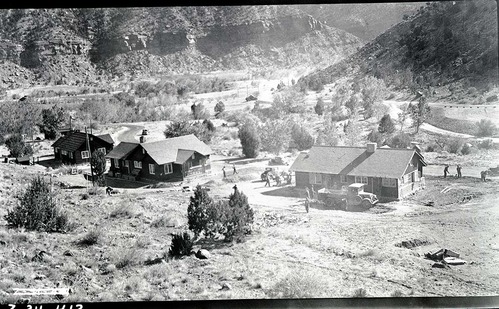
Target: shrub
{"type": "Point", "coordinates": [199, 111]}
{"type": "Point", "coordinates": [397, 293]}
{"type": "Point", "coordinates": [301, 137]}
{"type": "Point", "coordinates": [466, 149]}
{"type": "Point", "coordinates": [219, 107]}
{"type": "Point", "coordinates": [181, 128]}
{"type": "Point", "coordinates": [37, 210]}
{"type": "Point", "coordinates": [91, 238]}
{"type": "Point", "coordinates": [386, 124]}
{"type": "Point", "coordinates": [319, 107]}
{"type": "Point", "coordinates": [491, 98]}
{"type": "Point", "coordinates": [486, 144]}
{"type": "Point", "coordinates": [359, 293]}
{"type": "Point", "coordinates": [236, 216]}
{"type": "Point", "coordinates": [454, 145]}
{"type": "Point", "coordinates": [431, 148]}
{"type": "Point", "coordinates": [124, 210]}
{"type": "Point", "coordinates": [300, 285]}
{"type": "Point", "coordinates": [127, 258]}
{"type": "Point", "coordinates": [181, 245]}
{"type": "Point", "coordinates": [485, 128]}
{"type": "Point", "coordinates": [401, 140]}
{"type": "Point", "coordinates": [250, 141]}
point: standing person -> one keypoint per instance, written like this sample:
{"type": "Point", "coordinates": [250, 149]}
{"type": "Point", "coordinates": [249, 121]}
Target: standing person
{"type": "Point", "coordinates": [458, 168]}
{"type": "Point", "coordinates": [308, 192]}
{"type": "Point", "coordinates": [314, 193]}
{"type": "Point", "coordinates": [223, 170]}
{"type": "Point", "coordinates": [483, 175]}
{"type": "Point", "coordinates": [267, 180]}
{"type": "Point", "coordinates": [234, 169]}
{"type": "Point", "coordinates": [446, 170]}
{"type": "Point", "coordinates": [307, 204]}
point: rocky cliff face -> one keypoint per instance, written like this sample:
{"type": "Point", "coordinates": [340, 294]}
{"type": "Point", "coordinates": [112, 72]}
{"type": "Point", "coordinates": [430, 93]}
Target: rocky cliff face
{"type": "Point", "coordinates": [67, 46]}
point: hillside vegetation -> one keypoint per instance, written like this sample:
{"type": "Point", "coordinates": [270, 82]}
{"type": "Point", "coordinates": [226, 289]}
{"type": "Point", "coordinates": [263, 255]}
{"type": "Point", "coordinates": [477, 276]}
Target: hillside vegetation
{"type": "Point", "coordinates": [447, 45]}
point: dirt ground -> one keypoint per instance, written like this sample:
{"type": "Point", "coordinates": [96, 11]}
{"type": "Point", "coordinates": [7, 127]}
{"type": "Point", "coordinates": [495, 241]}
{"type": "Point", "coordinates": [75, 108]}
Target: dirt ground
{"type": "Point", "coordinates": [291, 253]}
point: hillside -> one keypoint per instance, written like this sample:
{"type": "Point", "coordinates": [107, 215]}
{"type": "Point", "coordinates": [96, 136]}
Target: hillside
{"type": "Point", "coordinates": [359, 20]}
{"type": "Point", "coordinates": [82, 46]}
{"type": "Point", "coordinates": [445, 45]}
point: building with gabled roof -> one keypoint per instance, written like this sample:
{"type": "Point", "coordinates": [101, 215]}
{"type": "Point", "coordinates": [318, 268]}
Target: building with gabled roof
{"type": "Point", "coordinates": [390, 173]}
{"type": "Point", "coordinates": [72, 147]}
{"type": "Point", "coordinates": [166, 160]}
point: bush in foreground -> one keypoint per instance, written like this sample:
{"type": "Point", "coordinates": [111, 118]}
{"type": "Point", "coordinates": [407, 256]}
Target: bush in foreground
{"type": "Point", "coordinates": [181, 245]}
{"type": "Point", "coordinates": [37, 210]}
{"type": "Point", "coordinates": [228, 218]}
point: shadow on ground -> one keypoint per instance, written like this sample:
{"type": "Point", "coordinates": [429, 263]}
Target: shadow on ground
{"type": "Point", "coordinates": [285, 192]}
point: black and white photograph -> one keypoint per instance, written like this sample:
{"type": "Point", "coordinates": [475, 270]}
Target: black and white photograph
{"type": "Point", "coordinates": [270, 151]}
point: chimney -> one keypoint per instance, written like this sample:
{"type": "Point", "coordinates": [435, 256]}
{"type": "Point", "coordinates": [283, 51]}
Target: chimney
{"type": "Point", "coordinates": [142, 139]}
{"type": "Point", "coordinates": [371, 147]}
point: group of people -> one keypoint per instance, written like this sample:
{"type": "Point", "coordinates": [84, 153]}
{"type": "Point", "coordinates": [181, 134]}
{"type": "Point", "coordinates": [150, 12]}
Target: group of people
{"type": "Point", "coordinates": [458, 169]}
{"type": "Point", "coordinates": [234, 170]}
{"type": "Point", "coordinates": [483, 174]}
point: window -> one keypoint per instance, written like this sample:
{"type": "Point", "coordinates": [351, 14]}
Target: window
{"type": "Point", "coordinates": [315, 178]}
{"type": "Point", "coordinates": [361, 179]}
{"type": "Point", "coordinates": [343, 178]}
{"type": "Point", "coordinates": [389, 182]}
{"type": "Point", "coordinates": [64, 152]}
{"type": "Point", "coordinates": [116, 163]}
{"type": "Point", "coordinates": [137, 164]}
{"type": "Point", "coordinates": [103, 150]}
{"type": "Point", "coordinates": [126, 163]}
{"type": "Point", "coordinates": [151, 169]}
{"type": "Point", "coordinates": [85, 154]}
{"type": "Point", "coordinates": [71, 155]}
{"type": "Point", "coordinates": [168, 168]}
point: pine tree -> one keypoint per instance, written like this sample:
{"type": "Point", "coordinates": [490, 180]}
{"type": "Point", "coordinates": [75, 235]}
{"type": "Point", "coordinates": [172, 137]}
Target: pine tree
{"type": "Point", "coordinates": [250, 141]}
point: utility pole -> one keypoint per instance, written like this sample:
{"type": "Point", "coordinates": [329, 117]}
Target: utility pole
{"type": "Point", "coordinates": [89, 156]}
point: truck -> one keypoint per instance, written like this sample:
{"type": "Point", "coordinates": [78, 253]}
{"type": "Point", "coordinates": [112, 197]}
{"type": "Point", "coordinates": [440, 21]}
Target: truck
{"type": "Point", "coordinates": [347, 198]}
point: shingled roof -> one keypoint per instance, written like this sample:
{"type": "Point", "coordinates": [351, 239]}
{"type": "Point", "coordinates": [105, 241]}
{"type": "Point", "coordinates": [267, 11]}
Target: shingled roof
{"type": "Point", "coordinates": [74, 140]}
{"type": "Point", "coordinates": [122, 150]}
{"type": "Point", "coordinates": [355, 161]}
{"type": "Point", "coordinates": [177, 149]}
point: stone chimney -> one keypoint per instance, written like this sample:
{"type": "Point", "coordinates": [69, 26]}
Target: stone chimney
{"type": "Point", "coordinates": [371, 147]}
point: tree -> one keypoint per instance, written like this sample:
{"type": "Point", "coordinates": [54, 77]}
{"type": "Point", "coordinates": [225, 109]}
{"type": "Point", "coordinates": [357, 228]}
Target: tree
{"type": "Point", "coordinates": [402, 116]}
{"type": "Point", "coordinates": [219, 108]}
{"type": "Point", "coordinates": [373, 91]}
{"type": "Point", "coordinates": [250, 140]}
{"type": "Point", "coordinates": [51, 121]}
{"type": "Point", "coordinates": [37, 210]}
{"type": "Point", "coordinates": [376, 137]}
{"type": "Point", "coordinates": [419, 112]}
{"type": "Point", "coordinates": [386, 124]}
{"type": "Point", "coordinates": [401, 140]}
{"type": "Point", "coordinates": [301, 138]}
{"type": "Point", "coordinates": [18, 147]}
{"type": "Point", "coordinates": [275, 136]}
{"type": "Point", "coordinates": [199, 212]}
{"type": "Point", "coordinates": [352, 131]}
{"type": "Point", "coordinates": [237, 217]}
{"type": "Point", "coordinates": [289, 101]}
{"type": "Point", "coordinates": [328, 136]}
{"type": "Point", "coordinates": [202, 130]}
{"type": "Point", "coordinates": [485, 128]}
{"type": "Point", "coordinates": [98, 164]}
{"type": "Point", "coordinates": [319, 107]}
